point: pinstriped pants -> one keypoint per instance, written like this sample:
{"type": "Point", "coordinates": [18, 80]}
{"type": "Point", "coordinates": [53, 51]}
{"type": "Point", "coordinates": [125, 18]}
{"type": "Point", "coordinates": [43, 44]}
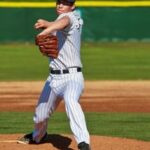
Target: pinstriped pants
{"type": "Point", "coordinates": [68, 87]}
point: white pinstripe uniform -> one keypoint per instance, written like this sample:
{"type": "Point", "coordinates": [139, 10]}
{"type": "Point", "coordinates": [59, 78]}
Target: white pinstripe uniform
{"type": "Point", "coordinates": [68, 86]}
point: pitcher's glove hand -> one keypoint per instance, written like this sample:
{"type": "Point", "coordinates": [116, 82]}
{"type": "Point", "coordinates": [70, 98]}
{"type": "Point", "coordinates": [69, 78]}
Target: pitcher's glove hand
{"type": "Point", "coordinates": [48, 45]}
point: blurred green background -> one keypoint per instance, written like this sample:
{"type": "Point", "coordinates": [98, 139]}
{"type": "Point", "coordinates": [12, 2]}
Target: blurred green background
{"type": "Point", "coordinates": [101, 61]}
{"type": "Point", "coordinates": [104, 24]}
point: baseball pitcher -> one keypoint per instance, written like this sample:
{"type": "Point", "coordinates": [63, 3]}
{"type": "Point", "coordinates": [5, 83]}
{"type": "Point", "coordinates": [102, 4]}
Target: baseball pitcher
{"type": "Point", "coordinates": [60, 42]}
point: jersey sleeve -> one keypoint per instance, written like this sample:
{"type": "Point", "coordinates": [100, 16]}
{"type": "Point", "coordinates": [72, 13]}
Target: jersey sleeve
{"type": "Point", "coordinates": [74, 22]}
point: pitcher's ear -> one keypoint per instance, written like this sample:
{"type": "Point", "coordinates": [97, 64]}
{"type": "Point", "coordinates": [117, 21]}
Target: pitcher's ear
{"type": "Point", "coordinates": [72, 7]}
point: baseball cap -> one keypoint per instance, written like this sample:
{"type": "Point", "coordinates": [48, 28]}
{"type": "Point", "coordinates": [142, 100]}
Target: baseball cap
{"type": "Point", "coordinates": [66, 2]}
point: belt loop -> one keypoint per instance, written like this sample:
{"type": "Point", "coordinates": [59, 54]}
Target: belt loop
{"type": "Point", "coordinates": [79, 69]}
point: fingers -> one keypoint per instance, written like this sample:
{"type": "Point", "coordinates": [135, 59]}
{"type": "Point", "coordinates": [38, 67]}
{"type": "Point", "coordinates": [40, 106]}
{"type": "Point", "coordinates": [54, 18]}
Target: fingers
{"type": "Point", "coordinates": [41, 24]}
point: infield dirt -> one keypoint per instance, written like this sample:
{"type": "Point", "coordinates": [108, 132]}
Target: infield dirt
{"type": "Point", "coordinates": [99, 96]}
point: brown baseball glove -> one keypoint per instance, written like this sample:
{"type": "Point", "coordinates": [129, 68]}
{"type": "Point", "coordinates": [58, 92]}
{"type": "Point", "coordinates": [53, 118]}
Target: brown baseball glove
{"type": "Point", "coordinates": [48, 45]}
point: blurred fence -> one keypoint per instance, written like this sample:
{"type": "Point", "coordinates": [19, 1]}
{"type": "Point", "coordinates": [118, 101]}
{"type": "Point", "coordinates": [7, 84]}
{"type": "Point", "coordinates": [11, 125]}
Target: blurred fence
{"type": "Point", "coordinates": [101, 23]}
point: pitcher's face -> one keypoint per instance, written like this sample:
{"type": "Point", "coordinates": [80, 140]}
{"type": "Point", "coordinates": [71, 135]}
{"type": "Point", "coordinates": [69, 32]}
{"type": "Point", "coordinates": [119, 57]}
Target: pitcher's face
{"type": "Point", "coordinates": [63, 7]}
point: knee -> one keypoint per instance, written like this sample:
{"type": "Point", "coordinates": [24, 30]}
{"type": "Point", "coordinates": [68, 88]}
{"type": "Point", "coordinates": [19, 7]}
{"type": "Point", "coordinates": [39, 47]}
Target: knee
{"type": "Point", "coordinates": [71, 103]}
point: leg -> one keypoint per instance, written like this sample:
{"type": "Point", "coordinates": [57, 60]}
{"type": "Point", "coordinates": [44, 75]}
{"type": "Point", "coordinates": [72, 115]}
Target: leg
{"type": "Point", "coordinates": [74, 111]}
{"type": "Point", "coordinates": [46, 106]}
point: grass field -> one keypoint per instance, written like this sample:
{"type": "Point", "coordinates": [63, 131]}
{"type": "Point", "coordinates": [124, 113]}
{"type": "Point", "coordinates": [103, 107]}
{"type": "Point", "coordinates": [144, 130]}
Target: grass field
{"type": "Point", "coordinates": [101, 61]}
{"type": "Point", "coordinates": [105, 124]}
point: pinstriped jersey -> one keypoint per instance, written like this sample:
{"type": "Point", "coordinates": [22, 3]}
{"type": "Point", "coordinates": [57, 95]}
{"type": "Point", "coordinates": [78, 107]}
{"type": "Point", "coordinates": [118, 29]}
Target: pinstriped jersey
{"type": "Point", "coordinates": [69, 41]}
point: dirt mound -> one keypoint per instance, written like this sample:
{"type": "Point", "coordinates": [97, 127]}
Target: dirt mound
{"type": "Point", "coordinates": [66, 142]}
